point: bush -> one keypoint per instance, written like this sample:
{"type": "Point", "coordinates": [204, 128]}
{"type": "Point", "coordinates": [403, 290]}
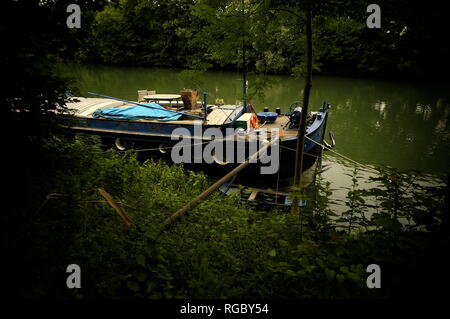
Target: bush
{"type": "Point", "coordinates": [223, 248]}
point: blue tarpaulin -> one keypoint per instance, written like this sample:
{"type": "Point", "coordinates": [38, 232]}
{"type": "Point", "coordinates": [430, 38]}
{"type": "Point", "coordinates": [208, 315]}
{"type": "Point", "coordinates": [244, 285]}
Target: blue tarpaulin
{"type": "Point", "coordinates": [136, 112]}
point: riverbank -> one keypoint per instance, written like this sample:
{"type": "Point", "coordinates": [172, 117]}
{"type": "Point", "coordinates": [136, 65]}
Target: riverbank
{"type": "Point", "coordinates": [221, 249]}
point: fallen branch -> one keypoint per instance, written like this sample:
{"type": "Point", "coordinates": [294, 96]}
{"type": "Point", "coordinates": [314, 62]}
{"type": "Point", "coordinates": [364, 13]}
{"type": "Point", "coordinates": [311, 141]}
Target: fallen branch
{"type": "Point", "coordinates": [216, 185]}
{"type": "Point", "coordinates": [118, 208]}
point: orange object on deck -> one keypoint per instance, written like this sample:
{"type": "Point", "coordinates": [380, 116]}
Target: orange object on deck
{"type": "Point", "coordinates": [254, 121]}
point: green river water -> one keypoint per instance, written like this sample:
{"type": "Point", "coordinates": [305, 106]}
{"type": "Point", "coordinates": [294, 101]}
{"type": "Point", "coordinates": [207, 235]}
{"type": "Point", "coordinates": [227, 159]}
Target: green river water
{"type": "Point", "coordinates": [400, 124]}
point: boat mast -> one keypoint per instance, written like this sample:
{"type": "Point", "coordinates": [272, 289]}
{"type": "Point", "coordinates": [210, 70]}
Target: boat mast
{"type": "Point", "coordinates": [244, 64]}
{"type": "Point", "coordinates": [244, 78]}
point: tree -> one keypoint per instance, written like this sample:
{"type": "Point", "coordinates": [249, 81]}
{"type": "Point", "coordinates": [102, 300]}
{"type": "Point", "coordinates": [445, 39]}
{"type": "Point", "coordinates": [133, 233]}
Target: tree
{"type": "Point", "coordinates": [305, 104]}
{"type": "Point", "coordinates": [34, 34]}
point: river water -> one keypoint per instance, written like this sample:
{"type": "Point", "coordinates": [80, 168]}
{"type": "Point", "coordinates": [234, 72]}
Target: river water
{"type": "Point", "coordinates": [401, 124]}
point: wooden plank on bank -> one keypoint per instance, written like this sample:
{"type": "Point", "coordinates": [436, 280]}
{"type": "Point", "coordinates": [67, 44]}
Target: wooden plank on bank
{"type": "Point", "coordinates": [253, 195]}
{"type": "Point", "coordinates": [120, 211]}
{"type": "Point", "coordinates": [217, 184]}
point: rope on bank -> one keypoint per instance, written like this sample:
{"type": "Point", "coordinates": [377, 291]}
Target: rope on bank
{"type": "Point", "coordinates": [343, 156]}
{"type": "Point", "coordinates": [325, 147]}
{"type": "Point", "coordinates": [309, 154]}
{"type": "Point", "coordinates": [159, 148]}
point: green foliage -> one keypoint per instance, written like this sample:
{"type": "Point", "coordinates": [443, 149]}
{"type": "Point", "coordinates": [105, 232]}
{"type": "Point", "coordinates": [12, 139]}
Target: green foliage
{"type": "Point", "coordinates": [221, 249]}
{"type": "Point", "coordinates": [354, 217]}
{"type": "Point", "coordinates": [33, 90]}
{"type": "Point", "coordinates": [204, 34]}
{"type": "Point", "coordinates": [405, 201]}
{"type": "Point", "coordinates": [191, 78]}
{"type": "Point", "coordinates": [139, 32]}
{"type": "Point", "coordinates": [113, 36]}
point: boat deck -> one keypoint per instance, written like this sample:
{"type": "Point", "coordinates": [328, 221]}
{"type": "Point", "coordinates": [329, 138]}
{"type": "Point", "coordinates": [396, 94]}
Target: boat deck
{"type": "Point", "coordinates": [217, 116]}
{"type": "Point", "coordinates": [282, 123]}
{"type": "Point", "coordinates": [220, 115]}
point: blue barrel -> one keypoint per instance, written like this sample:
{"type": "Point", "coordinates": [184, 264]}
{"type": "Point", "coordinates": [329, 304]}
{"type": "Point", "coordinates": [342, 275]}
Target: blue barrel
{"type": "Point", "coordinates": [268, 117]}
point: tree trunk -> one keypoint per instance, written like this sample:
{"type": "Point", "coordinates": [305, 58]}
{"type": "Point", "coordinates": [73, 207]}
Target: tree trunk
{"type": "Point", "coordinates": [302, 126]}
{"type": "Point", "coordinates": [445, 226]}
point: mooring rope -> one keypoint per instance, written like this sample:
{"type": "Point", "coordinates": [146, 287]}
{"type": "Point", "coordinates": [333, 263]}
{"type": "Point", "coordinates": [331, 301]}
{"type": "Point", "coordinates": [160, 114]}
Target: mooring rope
{"type": "Point", "coordinates": [293, 150]}
{"type": "Point", "coordinates": [160, 148]}
{"type": "Point", "coordinates": [343, 156]}
{"type": "Point", "coordinates": [324, 147]}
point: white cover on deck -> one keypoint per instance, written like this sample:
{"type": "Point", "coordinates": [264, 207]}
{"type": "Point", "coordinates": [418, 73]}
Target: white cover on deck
{"type": "Point", "coordinates": [87, 106]}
